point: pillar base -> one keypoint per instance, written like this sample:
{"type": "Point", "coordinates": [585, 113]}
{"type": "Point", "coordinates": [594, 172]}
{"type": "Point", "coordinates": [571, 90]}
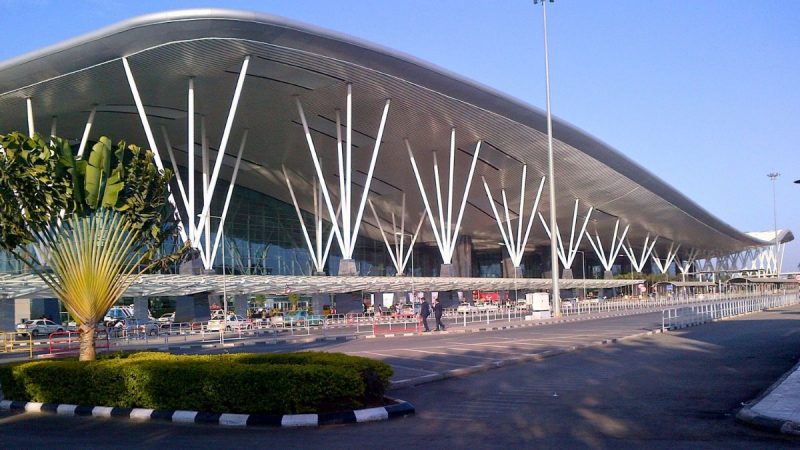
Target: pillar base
{"type": "Point", "coordinates": [567, 274]}
{"type": "Point", "coordinates": [516, 272]}
{"type": "Point", "coordinates": [347, 268]}
{"type": "Point", "coordinates": [446, 270]}
{"type": "Point", "coordinates": [607, 275]}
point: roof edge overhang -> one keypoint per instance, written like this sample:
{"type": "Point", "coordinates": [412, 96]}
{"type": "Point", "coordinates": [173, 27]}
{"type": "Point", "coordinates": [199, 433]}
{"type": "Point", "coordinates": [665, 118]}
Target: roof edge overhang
{"type": "Point", "coordinates": [110, 43]}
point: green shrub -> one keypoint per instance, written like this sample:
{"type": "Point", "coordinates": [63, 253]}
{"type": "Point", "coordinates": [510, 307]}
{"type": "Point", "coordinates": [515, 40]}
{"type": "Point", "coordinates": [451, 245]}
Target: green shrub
{"type": "Point", "coordinates": [238, 383]}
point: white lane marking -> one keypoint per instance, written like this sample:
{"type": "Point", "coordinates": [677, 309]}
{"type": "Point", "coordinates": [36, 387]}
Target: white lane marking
{"type": "Point", "coordinates": [456, 354]}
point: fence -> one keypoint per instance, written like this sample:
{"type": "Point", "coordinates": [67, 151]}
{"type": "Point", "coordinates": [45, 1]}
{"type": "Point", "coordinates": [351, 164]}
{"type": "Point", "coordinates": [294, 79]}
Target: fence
{"type": "Point", "coordinates": [673, 318]}
{"type": "Point", "coordinates": [17, 342]}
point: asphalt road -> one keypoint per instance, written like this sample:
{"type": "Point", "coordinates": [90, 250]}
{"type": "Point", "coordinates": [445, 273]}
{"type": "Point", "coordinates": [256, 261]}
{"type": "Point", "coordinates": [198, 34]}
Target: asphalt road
{"type": "Point", "coordinates": [673, 390]}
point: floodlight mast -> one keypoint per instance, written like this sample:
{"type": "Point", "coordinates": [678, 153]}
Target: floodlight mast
{"type": "Point", "coordinates": [556, 293]}
{"type": "Point", "coordinates": [774, 176]}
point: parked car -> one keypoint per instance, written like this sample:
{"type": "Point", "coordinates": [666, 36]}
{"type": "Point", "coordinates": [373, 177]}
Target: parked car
{"type": "Point", "coordinates": [37, 327]}
{"type": "Point", "coordinates": [316, 320]}
{"type": "Point", "coordinates": [276, 320]}
{"type": "Point", "coordinates": [167, 318]}
{"type": "Point", "coordinates": [234, 322]}
{"type": "Point", "coordinates": [466, 308]}
{"type": "Point", "coordinates": [149, 327]}
{"type": "Point", "coordinates": [487, 307]}
{"type": "Point", "coordinates": [295, 318]}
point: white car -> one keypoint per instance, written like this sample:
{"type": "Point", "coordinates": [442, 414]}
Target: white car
{"type": "Point", "coordinates": [487, 307]}
{"type": "Point", "coordinates": [233, 323]}
{"type": "Point", "coordinates": [167, 318]}
{"type": "Point", "coordinates": [39, 327]}
{"type": "Point", "coordinates": [466, 308]}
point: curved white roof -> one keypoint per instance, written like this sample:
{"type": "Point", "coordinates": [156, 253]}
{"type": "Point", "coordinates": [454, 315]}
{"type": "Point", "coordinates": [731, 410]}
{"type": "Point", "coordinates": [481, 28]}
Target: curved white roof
{"type": "Point", "coordinates": [291, 59]}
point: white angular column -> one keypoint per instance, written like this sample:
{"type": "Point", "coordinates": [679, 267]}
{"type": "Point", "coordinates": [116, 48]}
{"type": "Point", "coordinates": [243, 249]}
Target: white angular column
{"type": "Point", "coordinates": [398, 253]}
{"type": "Point", "coordinates": [515, 245]}
{"type": "Point", "coordinates": [445, 234]}
{"type": "Point", "coordinates": [607, 258]}
{"type": "Point", "coordinates": [638, 263]}
{"type": "Point", "coordinates": [568, 256]}
{"type": "Point", "coordinates": [671, 253]}
{"type": "Point", "coordinates": [346, 233]}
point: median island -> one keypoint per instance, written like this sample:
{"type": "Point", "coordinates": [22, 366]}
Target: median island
{"type": "Point", "coordinates": [245, 383]}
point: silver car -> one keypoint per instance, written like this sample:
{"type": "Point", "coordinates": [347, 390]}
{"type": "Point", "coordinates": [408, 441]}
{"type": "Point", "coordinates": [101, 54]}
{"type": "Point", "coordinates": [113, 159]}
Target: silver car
{"type": "Point", "coordinates": [37, 327]}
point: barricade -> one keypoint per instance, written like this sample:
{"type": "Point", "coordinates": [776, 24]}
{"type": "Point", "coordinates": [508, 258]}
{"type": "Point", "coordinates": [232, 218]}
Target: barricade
{"type": "Point", "coordinates": [402, 323]}
{"type": "Point", "coordinates": [12, 342]}
{"type": "Point", "coordinates": [68, 342]}
{"type": "Point", "coordinates": [680, 317]}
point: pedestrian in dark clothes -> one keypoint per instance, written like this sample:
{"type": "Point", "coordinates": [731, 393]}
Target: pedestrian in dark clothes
{"type": "Point", "coordinates": [424, 312]}
{"type": "Point", "coordinates": [437, 313]}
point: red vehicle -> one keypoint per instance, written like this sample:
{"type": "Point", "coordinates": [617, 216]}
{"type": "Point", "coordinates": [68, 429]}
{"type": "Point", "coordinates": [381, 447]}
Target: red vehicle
{"type": "Point", "coordinates": [483, 296]}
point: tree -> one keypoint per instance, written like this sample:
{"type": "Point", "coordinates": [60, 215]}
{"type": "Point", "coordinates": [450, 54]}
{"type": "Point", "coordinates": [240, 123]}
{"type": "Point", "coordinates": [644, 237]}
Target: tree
{"type": "Point", "coordinates": [87, 226]}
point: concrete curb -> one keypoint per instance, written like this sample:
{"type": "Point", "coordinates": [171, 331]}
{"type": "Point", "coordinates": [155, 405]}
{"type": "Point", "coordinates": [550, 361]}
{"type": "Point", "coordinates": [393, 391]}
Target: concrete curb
{"type": "Point", "coordinates": [531, 357]}
{"type": "Point", "coordinates": [747, 416]}
{"type": "Point", "coordinates": [399, 409]}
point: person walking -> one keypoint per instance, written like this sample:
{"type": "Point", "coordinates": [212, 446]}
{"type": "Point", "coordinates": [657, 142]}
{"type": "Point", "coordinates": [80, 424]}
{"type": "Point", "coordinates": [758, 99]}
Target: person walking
{"type": "Point", "coordinates": [424, 312]}
{"type": "Point", "coordinates": [437, 314]}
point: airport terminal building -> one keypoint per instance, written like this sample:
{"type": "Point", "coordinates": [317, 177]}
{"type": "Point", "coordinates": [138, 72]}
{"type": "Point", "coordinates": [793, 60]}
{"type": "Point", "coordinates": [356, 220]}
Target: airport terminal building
{"type": "Point", "coordinates": [303, 152]}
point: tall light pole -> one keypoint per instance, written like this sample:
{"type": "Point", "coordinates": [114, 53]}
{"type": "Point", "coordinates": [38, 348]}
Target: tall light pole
{"type": "Point", "coordinates": [550, 181]}
{"type": "Point", "coordinates": [224, 285]}
{"type": "Point", "coordinates": [774, 176]}
{"type": "Point", "coordinates": [583, 270]}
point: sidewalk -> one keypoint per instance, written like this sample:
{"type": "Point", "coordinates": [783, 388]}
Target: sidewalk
{"type": "Point", "coordinates": [778, 408]}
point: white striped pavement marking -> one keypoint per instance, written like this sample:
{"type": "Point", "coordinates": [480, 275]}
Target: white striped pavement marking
{"type": "Point", "coordinates": [33, 407]}
{"type": "Point", "coordinates": [66, 410]}
{"type": "Point", "coordinates": [299, 420]}
{"type": "Point", "coordinates": [184, 416]}
{"type": "Point", "coordinates": [141, 413]}
{"type": "Point", "coordinates": [101, 411]}
{"type": "Point", "coordinates": [233, 420]}
{"type": "Point", "coordinates": [371, 414]}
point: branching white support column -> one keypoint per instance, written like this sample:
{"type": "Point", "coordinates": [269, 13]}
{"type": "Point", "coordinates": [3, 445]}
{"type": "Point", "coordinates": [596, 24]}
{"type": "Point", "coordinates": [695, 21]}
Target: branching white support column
{"type": "Point", "coordinates": [685, 264]}
{"type": "Point", "coordinates": [178, 179]}
{"type": "Point", "coordinates": [607, 259]}
{"type": "Point", "coordinates": [347, 232]}
{"type": "Point", "coordinates": [150, 139]}
{"type": "Point", "coordinates": [190, 149]}
{"type": "Point", "coordinates": [515, 245]}
{"type": "Point", "coordinates": [568, 256]}
{"type": "Point", "coordinates": [671, 253]}
{"type": "Point", "coordinates": [54, 126]}
{"type": "Point", "coordinates": [446, 239]}
{"type": "Point", "coordinates": [31, 127]}
{"type": "Point", "coordinates": [86, 131]}
{"type": "Point", "coordinates": [317, 254]}
{"type": "Point", "coordinates": [228, 196]}
{"type": "Point", "coordinates": [212, 184]}
{"type": "Point", "coordinates": [204, 220]}
{"type": "Point", "coordinates": [399, 254]}
{"type": "Point", "coordinates": [638, 264]}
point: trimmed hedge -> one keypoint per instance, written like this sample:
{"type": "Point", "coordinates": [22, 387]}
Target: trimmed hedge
{"type": "Point", "coordinates": [238, 383]}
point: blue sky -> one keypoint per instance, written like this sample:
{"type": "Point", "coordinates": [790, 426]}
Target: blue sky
{"type": "Point", "coordinates": [705, 94]}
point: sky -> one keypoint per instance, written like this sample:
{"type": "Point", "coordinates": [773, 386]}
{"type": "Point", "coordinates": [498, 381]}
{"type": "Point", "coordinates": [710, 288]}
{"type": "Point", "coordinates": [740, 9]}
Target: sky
{"type": "Point", "coordinates": [704, 94]}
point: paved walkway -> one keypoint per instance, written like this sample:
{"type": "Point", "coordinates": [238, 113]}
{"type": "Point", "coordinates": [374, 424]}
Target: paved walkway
{"type": "Point", "coordinates": [778, 408]}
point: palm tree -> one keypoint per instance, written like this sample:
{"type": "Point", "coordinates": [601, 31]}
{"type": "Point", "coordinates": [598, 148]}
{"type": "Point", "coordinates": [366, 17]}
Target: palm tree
{"type": "Point", "coordinates": [87, 226]}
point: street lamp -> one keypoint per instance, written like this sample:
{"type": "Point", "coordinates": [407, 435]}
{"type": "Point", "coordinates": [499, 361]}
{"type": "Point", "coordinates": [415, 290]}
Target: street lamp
{"type": "Point", "coordinates": [224, 285]}
{"type": "Point", "coordinates": [413, 293]}
{"type": "Point", "coordinates": [550, 181]}
{"type": "Point", "coordinates": [583, 270]}
{"type": "Point", "coordinates": [774, 176]}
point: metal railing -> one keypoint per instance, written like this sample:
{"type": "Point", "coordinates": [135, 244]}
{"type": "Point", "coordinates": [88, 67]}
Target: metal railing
{"type": "Point", "coordinates": [14, 341]}
{"type": "Point", "coordinates": [681, 317]}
